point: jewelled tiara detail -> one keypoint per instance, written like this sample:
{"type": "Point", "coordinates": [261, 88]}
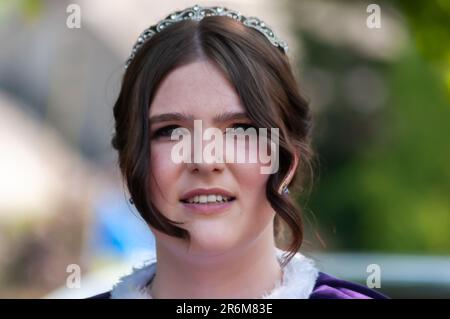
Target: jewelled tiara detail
{"type": "Point", "coordinates": [197, 13]}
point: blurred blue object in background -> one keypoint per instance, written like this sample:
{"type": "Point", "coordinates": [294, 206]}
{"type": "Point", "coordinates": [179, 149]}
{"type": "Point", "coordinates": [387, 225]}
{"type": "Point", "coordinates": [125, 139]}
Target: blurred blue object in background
{"type": "Point", "coordinates": [118, 229]}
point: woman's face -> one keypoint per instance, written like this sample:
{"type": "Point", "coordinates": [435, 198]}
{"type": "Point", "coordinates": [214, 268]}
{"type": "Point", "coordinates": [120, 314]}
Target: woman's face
{"type": "Point", "coordinates": [199, 91]}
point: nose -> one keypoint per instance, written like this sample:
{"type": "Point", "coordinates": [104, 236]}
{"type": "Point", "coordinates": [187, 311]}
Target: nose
{"type": "Point", "coordinates": [200, 163]}
{"type": "Point", "coordinates": [205, 168]}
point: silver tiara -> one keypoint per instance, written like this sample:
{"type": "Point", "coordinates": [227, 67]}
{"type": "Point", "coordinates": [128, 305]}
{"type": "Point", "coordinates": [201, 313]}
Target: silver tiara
{"type": "Point", "coordinates": [197, 13]}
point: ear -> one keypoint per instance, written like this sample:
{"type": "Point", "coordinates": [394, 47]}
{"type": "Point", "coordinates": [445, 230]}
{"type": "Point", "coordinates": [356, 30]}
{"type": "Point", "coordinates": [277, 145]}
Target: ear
{"type": "Point", "coordinates": [291, 173]}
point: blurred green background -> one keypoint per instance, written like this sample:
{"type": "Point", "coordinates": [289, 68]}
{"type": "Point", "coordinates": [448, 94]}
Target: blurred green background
{"type": "Point", "coordinates": [383, 138]}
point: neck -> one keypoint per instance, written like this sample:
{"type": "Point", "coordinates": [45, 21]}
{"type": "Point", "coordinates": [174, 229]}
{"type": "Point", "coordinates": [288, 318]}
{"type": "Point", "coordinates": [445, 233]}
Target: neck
{"type": "Point", "coordinates": [249, 272]}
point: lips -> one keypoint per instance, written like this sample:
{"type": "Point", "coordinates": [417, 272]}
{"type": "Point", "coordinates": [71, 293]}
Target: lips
{"type": "Point", "coordinates": [209, 209]}
{"type": "Point", "coordinates": [210, 191]}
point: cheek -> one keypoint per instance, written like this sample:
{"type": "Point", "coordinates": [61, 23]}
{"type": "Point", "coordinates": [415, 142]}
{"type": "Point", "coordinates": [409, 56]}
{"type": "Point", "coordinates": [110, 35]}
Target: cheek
{"type": "Point", "coordinates": [252, 188]}
{"type": "Point", "coordinates": [259, 151]}
{"type": "Point", "coordinates": [249, 177]}
{"type": "Point", "coordinates": [164, 174]}
{"type": "Point", "coordinates": [160, 158]}
{"type": "Point", "coordinates": [257, 213]}
{"type": "Point", "coordinates": [249, 172]}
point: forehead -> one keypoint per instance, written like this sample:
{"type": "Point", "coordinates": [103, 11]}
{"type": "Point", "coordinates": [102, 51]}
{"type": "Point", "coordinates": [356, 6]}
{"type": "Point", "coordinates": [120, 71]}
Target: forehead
{"type": "Point", "coordinates": [196, 88]}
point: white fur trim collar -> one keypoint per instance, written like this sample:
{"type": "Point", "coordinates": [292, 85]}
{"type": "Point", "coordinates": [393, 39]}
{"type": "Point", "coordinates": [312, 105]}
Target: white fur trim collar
{"type": "Point", "coordinates": [299, 278]}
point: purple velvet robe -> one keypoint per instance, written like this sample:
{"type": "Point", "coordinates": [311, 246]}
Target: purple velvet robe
{"type": "Point", "coordinates": [326, 287]}
{"type": "Point", "coordinates": [329, 287]}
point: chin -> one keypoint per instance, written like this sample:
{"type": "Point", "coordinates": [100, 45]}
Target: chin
{"type": "Point", "coordinates": [211, 247]}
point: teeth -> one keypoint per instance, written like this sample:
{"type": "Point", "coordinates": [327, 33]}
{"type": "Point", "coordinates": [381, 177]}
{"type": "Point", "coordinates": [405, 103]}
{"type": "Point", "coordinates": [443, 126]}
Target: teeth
{"type": "Point", "coordinates": [203, 199]}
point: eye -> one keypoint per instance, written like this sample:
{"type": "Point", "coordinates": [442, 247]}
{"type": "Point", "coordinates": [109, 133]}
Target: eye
{"type": "Point", "coordinates": [244, 126]}
{"type": "Point", "coordinates": [165, 131]}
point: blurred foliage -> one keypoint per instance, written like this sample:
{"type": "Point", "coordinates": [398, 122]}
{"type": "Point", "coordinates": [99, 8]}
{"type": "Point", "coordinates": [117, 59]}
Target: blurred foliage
{"type": "Point", "coordinates": [429, 22]}
{"type": "Point", "coordinates": [384, 181]}
{"type": "Point", "coordinates": [30, 10]}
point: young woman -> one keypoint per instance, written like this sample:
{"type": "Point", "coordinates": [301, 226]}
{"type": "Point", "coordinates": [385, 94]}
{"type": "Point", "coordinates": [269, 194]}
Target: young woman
{"type": "Point", "coordinates": [219, 225]}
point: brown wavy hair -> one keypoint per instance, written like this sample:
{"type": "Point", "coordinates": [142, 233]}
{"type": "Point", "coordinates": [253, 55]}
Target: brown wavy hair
{"type": "Point", "coordinates": [263, 79]}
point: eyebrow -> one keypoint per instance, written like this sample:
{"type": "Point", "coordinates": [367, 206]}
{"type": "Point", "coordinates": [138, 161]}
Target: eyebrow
{"type": "Point", "coordinates": [176, 116]}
